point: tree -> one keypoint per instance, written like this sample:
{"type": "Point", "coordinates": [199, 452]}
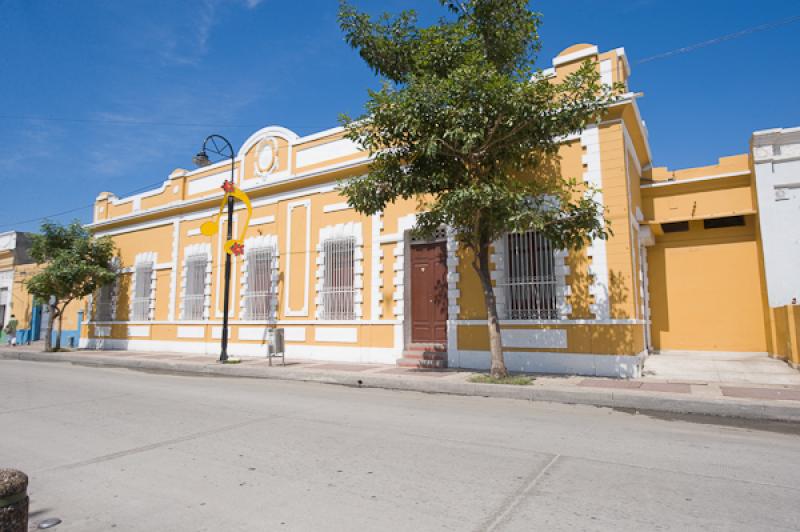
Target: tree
{"type": "Point", "coordinates": [466, 125]}
{"type": "Point", "coordinates": [75, 263]}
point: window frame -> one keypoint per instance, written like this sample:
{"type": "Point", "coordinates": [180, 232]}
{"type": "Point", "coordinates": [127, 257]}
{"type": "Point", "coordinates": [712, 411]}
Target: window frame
{"type": "Point", "coordinates": [190, 280]}
{"type": "Point", "coordinates": [101, 306]}
{"type": "Point", "coordinates": [141, 305]}
{"type": "Point", "coordinates": [267, 291]}
{"type": "Point", "coordinates": [338, 290]}
{"type": "Point", "coordinates": [531, 284]}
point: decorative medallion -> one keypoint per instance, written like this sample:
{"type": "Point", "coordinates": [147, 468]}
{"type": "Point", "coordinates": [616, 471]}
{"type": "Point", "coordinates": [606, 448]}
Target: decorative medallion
{"type": "Point", "coordinates": [266, 157]}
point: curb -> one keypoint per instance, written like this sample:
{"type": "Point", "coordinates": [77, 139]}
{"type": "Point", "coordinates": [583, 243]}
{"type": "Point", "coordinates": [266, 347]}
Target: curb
{"type": "Point", "coordinates": [618, 399]}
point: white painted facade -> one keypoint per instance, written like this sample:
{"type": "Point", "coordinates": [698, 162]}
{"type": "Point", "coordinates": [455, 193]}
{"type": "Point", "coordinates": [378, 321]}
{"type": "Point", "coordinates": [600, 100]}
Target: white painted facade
{"type": "Point", "coordinates": [776, 162]}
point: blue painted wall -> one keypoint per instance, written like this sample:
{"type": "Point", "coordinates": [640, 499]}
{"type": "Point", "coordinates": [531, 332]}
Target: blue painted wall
{"type": "Point", "coordinates": [69, 338]}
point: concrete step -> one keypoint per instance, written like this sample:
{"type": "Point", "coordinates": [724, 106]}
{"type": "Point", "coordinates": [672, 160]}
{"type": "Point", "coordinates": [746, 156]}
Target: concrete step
{"type": "Point", "coordinates": [426, 347]}
{"type": "Point", "coordinates": [425, 355]}
{"type": "Point", "coordinates": [422, 363]}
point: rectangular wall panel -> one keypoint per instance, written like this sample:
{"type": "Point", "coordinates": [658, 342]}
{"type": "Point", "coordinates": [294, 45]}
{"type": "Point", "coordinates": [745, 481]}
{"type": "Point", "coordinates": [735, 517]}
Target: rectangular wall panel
{"type": "Point", "coordinates": [540, 338]}
{"type": "Point", "coordinates": [336, 334]}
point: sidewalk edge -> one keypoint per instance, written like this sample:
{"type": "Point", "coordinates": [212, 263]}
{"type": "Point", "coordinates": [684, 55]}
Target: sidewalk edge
{"type": "Point", "coordinates": [668, 403]}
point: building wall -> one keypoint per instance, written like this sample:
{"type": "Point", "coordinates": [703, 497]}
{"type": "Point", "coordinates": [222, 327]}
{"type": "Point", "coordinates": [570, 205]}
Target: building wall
{"type": "Point", "coordinates": [706, 286]}
{"type": "Point", "coordinates": [706, 290]}
{"type": "Point", "coordinates": [603, 297]}
{"type": "Point", "coordinates": [785, 333]}
{"type": "Point", "coordinates": [776, 164]}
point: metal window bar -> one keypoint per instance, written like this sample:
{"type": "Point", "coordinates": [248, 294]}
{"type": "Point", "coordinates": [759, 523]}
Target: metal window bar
{"type": "Point", "coordinates": [194, 297]}
{"type": "Point", "coordinates": [102, 303]}
{"type": "Point", "coordinates": [258, 299]}
{"type": "Point", "coordinates": [338, 293]}
{"type": "Point", "coordinates": [141, 296]}
{"type": "Point", "coordinates": [530, 284]}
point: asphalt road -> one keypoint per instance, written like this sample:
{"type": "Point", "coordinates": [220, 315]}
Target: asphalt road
{"type": "Point", "coordinates": [110, 449]}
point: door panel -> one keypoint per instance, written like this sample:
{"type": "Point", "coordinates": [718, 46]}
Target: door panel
{"type": "Point", "coordinates": [429, 293]}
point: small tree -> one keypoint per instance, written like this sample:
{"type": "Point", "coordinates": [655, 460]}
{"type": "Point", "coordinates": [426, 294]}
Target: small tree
{"type": "Point", "coordinates": [464, 124]}
{"type": "Point", "coordinates": [75, 263]}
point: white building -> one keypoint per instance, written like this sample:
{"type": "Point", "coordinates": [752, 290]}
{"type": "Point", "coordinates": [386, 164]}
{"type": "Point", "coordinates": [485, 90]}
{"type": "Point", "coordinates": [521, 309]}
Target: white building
{"type": "Point", "coordinates": [776, 163]}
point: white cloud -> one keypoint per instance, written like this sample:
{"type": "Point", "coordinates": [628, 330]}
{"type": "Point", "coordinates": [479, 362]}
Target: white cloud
{"type": "Point", "coordinates": [188, 41]}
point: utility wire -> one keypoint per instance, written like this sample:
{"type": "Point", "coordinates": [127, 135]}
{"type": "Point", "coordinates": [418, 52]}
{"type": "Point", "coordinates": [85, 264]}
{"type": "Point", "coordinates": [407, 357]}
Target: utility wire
{"type": "Point", "coordinates": [678, 51]}
{"type": "Point", "coordinates": [729, 37]}
{"type": "Point", "coordinates": [76, 209]}
{"type": "Point", "coordinates": [123, 122]}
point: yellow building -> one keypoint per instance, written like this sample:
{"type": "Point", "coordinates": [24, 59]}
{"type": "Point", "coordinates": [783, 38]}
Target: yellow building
{"type": "Point", "coordinates": [348, 287]}
{"type": "Point", "coordinates": [16, 267]}
{"type": "Point", "coordinates": [14, 247]}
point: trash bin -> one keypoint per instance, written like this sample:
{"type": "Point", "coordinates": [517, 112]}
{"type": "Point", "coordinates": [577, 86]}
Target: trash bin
{"type": "Point", "coordinates": [277, 347]}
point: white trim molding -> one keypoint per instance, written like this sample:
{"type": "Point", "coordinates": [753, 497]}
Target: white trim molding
{"type": "Point", "coordinates": [376, 270]}
{"type": "Point", "coordinates": [589, 51]}
{"type": "Point", "coordinates": [191, 332]}
{"type": "Point", "coordinates": [140, 331]}
{"type": "Point", "coordinates": [336, 207]}
{"type": "Point", "coordinates": [347, 335]}
{"type": "Point", "coordinates": [559, 363]}
{"type": "Point", "coordinates": [251, 244]}
{"type": "Point", "coordinates": [404, 223]}
{"type": "Point", "coordinates": [534, 338]}
{"type": "Point", "coordinates": [261, 221]}
{"type": "Point", "coordinates": [598, 269]}
{"type": "Point", "coordinates": [195, 250]}
{"type": "Point", "coordinates": [453, 293]}
{"type": "Point", "coordinates": [330, 232]}
{"type": "Point", "coordinates": [151, 258]}
{"type": "Point", "coordinates": [337, 353]}
{"type": "Point", "coordinates": [173, 278]}
{"type": "Point", "coordinates": [327, 151]}
{"type": "Point", "coordinates": [303, 312]}
{"type": "Point", "coordinates": [560, 268]}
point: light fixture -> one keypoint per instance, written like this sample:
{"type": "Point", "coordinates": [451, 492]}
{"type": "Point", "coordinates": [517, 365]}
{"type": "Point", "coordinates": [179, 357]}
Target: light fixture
{"type": "Point", "coordinates": [201, 159]}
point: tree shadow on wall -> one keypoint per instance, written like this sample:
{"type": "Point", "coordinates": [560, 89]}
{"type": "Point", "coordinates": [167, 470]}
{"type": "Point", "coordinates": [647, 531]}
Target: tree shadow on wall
{"type": "Point", "coordinates": [123, 304]}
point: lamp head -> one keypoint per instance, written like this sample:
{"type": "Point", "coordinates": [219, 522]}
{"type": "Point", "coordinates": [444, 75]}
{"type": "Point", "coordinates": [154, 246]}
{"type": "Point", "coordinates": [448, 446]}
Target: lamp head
{"type": "Point", "coordinates": [201, 159]}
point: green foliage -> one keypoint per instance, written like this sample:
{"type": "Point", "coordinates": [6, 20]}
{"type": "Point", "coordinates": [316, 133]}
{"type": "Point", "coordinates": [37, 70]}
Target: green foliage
{"type": "Point", "coordinates": [517, 380]}
{"type": "Point", "coordinates": [464, 124]}
{"type": "Point", "coordinates": [76, 263]}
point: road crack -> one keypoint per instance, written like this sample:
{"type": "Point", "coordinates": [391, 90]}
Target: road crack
{"type": "Point", "coordinates": [502, 513]}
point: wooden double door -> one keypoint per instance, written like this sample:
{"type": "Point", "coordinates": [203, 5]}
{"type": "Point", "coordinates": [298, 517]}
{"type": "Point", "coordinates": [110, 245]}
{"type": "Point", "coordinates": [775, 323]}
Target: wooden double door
{"type": "Point", "coordinates": [429, 293]}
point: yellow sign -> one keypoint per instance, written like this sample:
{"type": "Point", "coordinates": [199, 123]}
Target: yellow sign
{"type": "Point", "coordinates": [234, 246]}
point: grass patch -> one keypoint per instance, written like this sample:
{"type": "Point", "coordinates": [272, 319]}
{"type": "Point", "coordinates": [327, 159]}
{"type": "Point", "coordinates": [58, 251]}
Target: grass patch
{"type": "Point", "coordinates": [518, 380]}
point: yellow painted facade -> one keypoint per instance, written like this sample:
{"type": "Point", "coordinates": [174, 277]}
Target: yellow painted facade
{"type": "Point", "coordinates": [616, 299]}
{"type": "Point", "coordinates": [16, 268]}
{"type": "Point", "coordinates": [785, 334]}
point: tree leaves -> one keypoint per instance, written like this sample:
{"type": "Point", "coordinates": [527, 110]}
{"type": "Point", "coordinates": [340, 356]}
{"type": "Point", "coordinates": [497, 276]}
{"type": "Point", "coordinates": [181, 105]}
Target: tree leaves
{"type": "Point", "coordinates": [461, 125]}
{"type": "Point", "coordinates": [75, 263]}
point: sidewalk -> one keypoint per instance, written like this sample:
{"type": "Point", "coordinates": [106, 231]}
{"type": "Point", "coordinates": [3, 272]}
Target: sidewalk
{"type": "Point", "coordinates": [778, 402]}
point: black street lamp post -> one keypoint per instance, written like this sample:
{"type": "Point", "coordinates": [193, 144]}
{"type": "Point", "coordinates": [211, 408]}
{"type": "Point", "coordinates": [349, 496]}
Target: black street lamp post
{"type": "Point", "coordinates": [201, 160]}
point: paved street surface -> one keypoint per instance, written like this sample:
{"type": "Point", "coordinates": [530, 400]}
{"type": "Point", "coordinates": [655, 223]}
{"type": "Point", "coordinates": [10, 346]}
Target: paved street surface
{"type": "Point", "coordinates": [113, 449]}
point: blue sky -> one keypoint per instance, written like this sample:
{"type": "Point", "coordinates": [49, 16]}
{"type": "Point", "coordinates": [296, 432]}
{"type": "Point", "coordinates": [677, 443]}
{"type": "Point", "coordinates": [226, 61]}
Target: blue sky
{"type": "Point", "coordinates": [185, 69]}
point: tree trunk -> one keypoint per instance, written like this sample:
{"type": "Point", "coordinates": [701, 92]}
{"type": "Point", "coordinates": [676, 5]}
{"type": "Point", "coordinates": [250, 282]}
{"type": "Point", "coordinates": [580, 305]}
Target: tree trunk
{"type": "Point", "coordinates": [481, 265]}
{"type": "Point", "coordinates": [58, 333]}
{"type": "Point", "coordinates": [48, 332]}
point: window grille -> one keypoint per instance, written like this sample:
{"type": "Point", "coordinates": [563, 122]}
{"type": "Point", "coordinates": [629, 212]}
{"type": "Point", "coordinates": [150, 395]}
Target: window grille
{"type": "Point", "coordinates": [103, 303]}
{"type": "Point", "coordinates": [142, 296]}
{"type": "Point", "coordinates": [338, 293]}
{"type": "Point", "coordinates": [194, 297]}
{"type": "Point", "coordinates": [530, 283]}
{"type": "Point", "coordinates": [258, 299]}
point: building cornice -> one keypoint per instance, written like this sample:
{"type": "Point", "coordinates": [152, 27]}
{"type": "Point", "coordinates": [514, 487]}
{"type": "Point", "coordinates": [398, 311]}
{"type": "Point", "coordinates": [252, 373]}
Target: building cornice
{"type": "Point", "coordinates": [696, 179]}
